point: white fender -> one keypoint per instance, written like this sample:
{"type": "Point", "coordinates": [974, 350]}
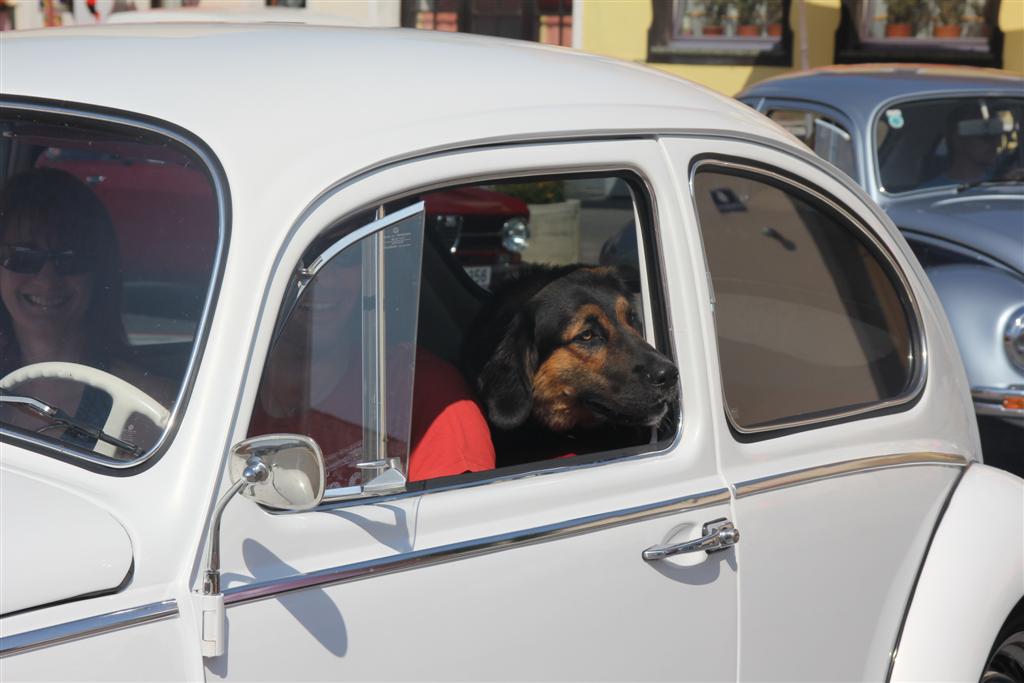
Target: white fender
{"type": "Point", "coordinates": [971, 579]}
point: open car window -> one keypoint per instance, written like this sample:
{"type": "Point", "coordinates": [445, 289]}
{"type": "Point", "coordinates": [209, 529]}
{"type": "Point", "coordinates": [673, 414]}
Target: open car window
{"type": "Point", "coordinates": [108, 244]}
{"type": "Point", "coordinates": [445, 282]}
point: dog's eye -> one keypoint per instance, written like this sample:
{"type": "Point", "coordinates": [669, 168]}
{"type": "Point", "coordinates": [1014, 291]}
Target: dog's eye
{"type": "Point", "coordinates": [585, 336]}
{"type": "Point", "coordinates": [634, 320]}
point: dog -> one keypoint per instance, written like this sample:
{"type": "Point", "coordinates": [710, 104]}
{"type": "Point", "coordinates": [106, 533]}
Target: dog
{"type": "Point", "coordinates": [561, 366]}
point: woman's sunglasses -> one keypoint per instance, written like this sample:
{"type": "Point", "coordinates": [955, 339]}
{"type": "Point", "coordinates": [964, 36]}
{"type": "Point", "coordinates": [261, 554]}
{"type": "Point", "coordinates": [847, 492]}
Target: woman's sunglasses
{"type": "Point", "coordinates": [30, 260]}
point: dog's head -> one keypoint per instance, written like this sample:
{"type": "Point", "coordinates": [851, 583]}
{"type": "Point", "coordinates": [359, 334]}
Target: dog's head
{"type": "Point", "coordinates": [572, 355]}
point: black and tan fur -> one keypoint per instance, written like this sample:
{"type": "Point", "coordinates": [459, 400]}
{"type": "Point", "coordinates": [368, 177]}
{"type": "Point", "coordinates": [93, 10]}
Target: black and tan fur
{"type": "Point", "coordinates": [559, 359]}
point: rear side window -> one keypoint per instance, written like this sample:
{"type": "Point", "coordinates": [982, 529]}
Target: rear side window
{"type": "Point", "coordinates": [810, 318]}
{"type": "Point", "coordinates": [108, 243]}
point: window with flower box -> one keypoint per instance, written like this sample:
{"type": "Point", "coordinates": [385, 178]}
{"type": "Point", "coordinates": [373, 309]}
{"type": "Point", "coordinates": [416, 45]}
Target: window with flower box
{"type": "Point", "coordinates": [937, 31]}
{"type": "Point", "coordinates": [544, 21]}
{"type": "Point", "coordinates": [721, 32]}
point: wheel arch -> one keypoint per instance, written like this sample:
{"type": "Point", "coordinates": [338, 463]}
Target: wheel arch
{"type": "Point", "coordinates": [971, 581]}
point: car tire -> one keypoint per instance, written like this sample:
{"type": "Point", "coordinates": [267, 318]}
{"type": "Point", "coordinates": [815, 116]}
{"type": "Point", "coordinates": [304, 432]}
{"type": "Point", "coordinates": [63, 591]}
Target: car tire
{"type": "Point", "coordinates": [1006, 661]}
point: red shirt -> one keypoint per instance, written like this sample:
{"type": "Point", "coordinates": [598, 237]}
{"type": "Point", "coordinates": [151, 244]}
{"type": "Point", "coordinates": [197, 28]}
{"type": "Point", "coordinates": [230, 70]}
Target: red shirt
{"type": "Point", "coordinates": [448, 432]}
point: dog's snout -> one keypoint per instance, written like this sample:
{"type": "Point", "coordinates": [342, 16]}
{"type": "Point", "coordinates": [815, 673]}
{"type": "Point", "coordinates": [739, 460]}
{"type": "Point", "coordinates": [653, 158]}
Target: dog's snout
{"type": "Point", "coordinates": [661, 374]}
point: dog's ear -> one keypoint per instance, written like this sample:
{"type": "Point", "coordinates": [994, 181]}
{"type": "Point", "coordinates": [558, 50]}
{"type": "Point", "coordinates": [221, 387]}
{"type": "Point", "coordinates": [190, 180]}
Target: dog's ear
{"type": "Point", "coordinates": [506, 380]}
{"type": "Point", "coordinates": [629, 276]}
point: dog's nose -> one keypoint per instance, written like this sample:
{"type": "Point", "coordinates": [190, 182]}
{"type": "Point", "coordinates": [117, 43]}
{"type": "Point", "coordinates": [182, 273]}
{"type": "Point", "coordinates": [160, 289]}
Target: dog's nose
{"type": "Point", "coordinates": [662, 375]}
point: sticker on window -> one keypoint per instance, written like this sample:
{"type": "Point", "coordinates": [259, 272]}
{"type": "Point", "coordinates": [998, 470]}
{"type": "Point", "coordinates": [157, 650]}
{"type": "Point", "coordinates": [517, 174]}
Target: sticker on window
{"type": "Point", "coordinates": [726, 200]}
{"type": "Point", "coordinates": [894, 117]}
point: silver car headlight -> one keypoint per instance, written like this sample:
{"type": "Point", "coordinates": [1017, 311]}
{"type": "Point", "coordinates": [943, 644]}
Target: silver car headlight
{"type": "Point", "coordinates": [1013, 338]}
{"type": "Point", "coordinates": [515, 234]}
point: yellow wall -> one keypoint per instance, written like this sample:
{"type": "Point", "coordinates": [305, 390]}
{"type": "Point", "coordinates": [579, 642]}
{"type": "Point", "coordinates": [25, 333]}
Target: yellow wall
{"type": "Point", "coordinates": [618, 28]}
{"type": "Point", "coordinates": [1011, 21]}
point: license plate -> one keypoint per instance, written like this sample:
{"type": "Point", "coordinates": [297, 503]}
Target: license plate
{"type": "Point", "coordinates": [480, 275]}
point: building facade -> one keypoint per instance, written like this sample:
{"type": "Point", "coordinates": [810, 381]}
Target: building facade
{"type": "Point", "coordinates": [726, 45]}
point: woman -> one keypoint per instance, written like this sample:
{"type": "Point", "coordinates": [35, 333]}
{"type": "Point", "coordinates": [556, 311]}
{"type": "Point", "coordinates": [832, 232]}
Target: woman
{"type": "Point", "coordinates": [60, 286]}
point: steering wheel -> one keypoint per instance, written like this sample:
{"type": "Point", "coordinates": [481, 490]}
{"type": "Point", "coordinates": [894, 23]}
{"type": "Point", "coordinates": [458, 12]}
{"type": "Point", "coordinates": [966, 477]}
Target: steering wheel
{"type": "Point", "coordinates": [127, 399]}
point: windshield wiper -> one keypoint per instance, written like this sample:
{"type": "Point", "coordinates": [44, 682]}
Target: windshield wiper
{"type": "Point", "coordinates": [60, 418]}
{"type": "Point", "coordinates": [978, 183]}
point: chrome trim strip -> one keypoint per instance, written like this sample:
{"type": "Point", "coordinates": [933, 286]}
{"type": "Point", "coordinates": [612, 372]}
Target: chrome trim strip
{"type": "Point", "coordinates": [919, 348]}
{"type": "Point", "coordinates": [215, 171]}
{"type": "Point", "coordinates": [85, 628]}
{"type": "Point", "coordinates": [464, 549]}
{"type": "Point", "coordinates": [989, 401]}
{"type": "Point", "coordinates": [774, 482]}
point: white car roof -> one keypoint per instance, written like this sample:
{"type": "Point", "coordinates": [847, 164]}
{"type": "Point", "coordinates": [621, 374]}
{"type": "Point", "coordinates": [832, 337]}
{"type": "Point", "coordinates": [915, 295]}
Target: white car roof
{"type": "Point", "coordinates": [333, 101]}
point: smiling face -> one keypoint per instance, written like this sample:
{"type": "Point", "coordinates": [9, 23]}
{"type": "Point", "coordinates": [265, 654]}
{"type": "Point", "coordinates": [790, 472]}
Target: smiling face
{"type": "Point", "coordinates": [59, 276]}
{"type": "Point", "coordinates": [43, 304]}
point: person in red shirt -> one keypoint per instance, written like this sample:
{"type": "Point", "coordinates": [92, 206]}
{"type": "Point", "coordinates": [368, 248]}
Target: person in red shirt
{"type": "Point", "coordinates": [313, 384]}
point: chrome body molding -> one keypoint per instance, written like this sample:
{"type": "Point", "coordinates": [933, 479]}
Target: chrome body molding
{"type": "Point", "coordinates": [464, 549]}
{"type": "Point", "coordinates": [85, 628]}
{"type": "Point", "coordinates": [991, 401]}
{"type": "Point", "coordinates": [783, 480]}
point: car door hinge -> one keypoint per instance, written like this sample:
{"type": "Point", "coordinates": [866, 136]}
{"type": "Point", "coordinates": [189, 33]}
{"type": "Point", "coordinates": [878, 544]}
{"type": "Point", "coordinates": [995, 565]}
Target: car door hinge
{"type": "Point", "coordinates": [212, 624]}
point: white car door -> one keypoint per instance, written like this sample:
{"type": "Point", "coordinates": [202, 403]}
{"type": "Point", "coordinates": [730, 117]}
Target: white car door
{"type": "Point", "coordinates": [530, 573]}
{"type": "Point", "coordinates": [827, 405]}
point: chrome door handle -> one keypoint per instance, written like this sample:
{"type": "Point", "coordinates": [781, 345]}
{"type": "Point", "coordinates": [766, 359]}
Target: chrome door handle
{"type": "Point", "coordinates": [718, 534]}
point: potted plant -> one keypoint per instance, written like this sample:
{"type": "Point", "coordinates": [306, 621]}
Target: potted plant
{"type": "Point", "coordinates": [747, 19]}
{"type": "Point", "coordinates": [949, 16]}
{"type": "Point", "coordinates": [714, 17]}
{"type": "Point", "coordinates": [902, 18]}
{"type": "Point", "coordinates": [773, 18]}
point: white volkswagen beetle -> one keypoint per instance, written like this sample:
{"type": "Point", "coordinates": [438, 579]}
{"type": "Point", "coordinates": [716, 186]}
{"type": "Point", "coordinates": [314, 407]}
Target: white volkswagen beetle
{"type": "Point", "coordinates": [240, 259]}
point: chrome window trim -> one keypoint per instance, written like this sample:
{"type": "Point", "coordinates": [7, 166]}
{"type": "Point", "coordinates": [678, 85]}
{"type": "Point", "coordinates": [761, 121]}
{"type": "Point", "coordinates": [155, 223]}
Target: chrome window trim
{"type": "Point", "coordinates": [902, 100]}
{"type": "Point", "coordinates": [213, 169]}
{"type": "Point", "coordinates": [464, 549]}
{"type": "Point", "coordinates": [783, 480]}
{"type": "Point", "coordinates": [87, 627]}
{"type": "Point", "coordinates": [918, 342]}
{"type": "Point", "coordinates": [668, 447]}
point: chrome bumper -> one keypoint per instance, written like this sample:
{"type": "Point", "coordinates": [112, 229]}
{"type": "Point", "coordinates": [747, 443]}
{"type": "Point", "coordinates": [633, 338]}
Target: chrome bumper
{"type": "Point", "coordinates": [1007, 402]}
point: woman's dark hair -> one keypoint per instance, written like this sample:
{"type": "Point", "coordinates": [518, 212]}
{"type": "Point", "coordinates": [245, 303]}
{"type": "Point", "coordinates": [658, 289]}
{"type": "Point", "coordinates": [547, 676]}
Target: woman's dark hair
{"type": "Point", "coordinates": [55, 203]}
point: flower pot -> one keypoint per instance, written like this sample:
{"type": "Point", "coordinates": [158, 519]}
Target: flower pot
{"type": "Point", "coordinates": [712, 30]}
{"type": "Point", "coordinates": [775, 30]}
{"type": "Point", "coordinates": [947, 31]}
{"type": "Point", "coordinates": [901, 30]}
{"type": "Point", "coordinates": [748, 30]}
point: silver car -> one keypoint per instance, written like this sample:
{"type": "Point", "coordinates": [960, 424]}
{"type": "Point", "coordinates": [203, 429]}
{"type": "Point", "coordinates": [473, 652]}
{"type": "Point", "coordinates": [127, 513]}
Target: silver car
{"type": "Point", "coordinates": [939, 148]}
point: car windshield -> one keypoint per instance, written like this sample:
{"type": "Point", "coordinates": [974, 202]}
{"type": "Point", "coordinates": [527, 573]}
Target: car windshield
{"type": "Point", "coordinates": [952, 142]}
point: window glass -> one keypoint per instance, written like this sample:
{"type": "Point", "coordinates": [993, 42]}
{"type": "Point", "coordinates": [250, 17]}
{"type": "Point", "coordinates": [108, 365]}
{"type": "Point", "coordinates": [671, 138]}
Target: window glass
{"type": "Point", "coordinates": [507, 276]}
{"type": "Point", "coordinates": [809, 320]}
{"type": "Point", "coordinates": [348, 332]}
{"type": "Point", "coordinates": [825, 136]}
{"type": "Point", "coordinates": [720, 31]}
{"type": "Point", "coordinates": [107, 248]}
{"type": "Point", "coordinates": [950, 142]}
{"type": "Point", "coordinates": [937, 31]}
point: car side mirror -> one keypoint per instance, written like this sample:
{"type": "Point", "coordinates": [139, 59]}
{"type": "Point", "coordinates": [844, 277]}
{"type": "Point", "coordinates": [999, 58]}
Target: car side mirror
{"type": "Point", "coordinates": [294, 466]}
{"type": "Point", "coordinates": [283, 471]}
